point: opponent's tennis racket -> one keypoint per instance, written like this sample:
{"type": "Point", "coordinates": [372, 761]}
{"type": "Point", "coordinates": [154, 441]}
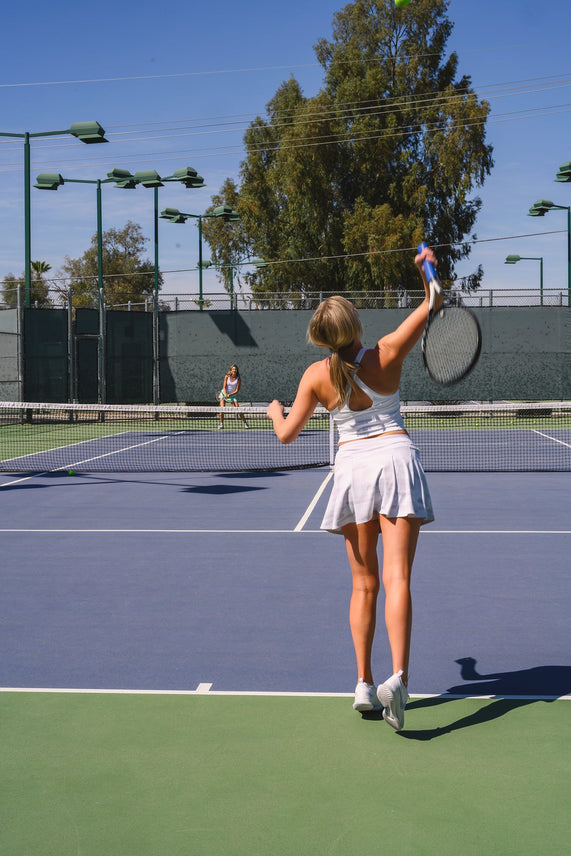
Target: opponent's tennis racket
{"type": "Point", "coordinates": [452, 339]}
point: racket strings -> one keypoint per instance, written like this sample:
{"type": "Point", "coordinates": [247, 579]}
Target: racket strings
{"type": "Point", "coordinates": [451, 345]}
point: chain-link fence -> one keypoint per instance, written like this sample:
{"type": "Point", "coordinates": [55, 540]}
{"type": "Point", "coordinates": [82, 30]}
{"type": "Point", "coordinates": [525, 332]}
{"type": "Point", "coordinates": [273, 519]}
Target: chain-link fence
{"type": "Point", "coordinates": [57, 298]}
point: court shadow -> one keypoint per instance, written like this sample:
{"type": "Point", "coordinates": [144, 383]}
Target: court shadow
{"type": "Point", "coordinates": [509, 691]}
{"type": "Point", "coordinates": [537, 681]}
{"type": "Point", "coordinates": [220, 489]}
{"type": "Point", "coordinates": [251, 474]}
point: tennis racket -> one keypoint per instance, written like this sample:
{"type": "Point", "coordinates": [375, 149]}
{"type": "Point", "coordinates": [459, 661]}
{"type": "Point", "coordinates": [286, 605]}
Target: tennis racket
{"type": "Point", "coordinates": [452, 339]}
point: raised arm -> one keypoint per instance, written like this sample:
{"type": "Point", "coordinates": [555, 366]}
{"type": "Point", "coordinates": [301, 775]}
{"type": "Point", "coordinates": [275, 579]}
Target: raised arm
{"type": "Point", "coordinates": [396, 345]}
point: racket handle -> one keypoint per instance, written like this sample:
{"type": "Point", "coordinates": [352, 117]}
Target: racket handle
{"type": "Point", "coordinates": [429, 269]}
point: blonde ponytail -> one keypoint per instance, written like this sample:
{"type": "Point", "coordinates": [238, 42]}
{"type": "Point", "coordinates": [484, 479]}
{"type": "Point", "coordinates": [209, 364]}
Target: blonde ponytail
{"type": "Point", "coordinates": [336, 325]}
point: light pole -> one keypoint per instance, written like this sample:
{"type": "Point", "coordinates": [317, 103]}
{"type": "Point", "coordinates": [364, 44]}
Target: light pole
{"type": "Point", "coordinates": [540, 209]}
{"type": "Point", "coordinates": [87, 132]}
{"type": "Point", "coordinates": [512, 260]}
{"type": "Point", "coordinates": [224, 212]}
{"type": "Point", "coordinates": [150, 178]}
{"type": "Point", "coordinates": [121, 178]}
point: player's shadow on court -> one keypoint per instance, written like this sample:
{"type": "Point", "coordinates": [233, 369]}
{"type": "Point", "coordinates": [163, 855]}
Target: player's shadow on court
{"type": "Point", "coordinates": [511, 690]}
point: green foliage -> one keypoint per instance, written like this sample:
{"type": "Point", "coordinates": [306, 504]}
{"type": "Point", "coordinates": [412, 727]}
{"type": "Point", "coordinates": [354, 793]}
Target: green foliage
{"type": "Point", "coordinates": [228, 241]}
{"type": "Point", "coordinates": [127, 276]}
{"type": "Point", "coordinates": [335, 187]}
{"type": "Point", "coordinates": [39, 287]}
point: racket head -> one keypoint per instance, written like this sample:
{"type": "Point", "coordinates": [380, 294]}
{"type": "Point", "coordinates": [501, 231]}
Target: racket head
{"type": "Point", "coordinates": [451, 345]}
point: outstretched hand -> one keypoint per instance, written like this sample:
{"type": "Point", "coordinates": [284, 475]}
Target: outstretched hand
{"type": "Point", "coordinates": [275, 409]}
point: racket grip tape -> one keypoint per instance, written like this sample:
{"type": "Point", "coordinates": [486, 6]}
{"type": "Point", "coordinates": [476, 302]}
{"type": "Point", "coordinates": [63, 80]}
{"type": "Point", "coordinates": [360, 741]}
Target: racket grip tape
{"type": "Point", "coordinates": [429, 269]}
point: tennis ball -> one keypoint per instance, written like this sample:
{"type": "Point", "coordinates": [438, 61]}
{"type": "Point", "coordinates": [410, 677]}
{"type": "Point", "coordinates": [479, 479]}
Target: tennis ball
{"type": "Point", "coordinates": [401, 4]}
{"type": "Point", "coordinates": [71, 473]}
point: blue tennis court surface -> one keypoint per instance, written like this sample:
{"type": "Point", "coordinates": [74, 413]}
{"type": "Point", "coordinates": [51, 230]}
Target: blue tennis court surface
{"type": "Point", "coordinates": [168, 582]}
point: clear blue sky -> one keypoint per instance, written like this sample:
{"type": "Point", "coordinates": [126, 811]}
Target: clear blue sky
{"type": "Point", "coordinates": [176, 85]}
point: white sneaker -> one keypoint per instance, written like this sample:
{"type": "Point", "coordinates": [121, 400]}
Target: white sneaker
{"type": "Point", "coordinates": [220, 425]}
{"type": "Point", "coordinates": [246, 424]}
{"type": "Point", "coordinates": [365, 697]}
{"type": "Point", "coordinates": [393, 695]}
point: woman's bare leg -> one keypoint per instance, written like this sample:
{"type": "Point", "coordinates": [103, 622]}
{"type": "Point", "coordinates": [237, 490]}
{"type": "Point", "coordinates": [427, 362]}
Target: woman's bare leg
{"type": "Point", "coordinates": [361, 542]}
{"type": "Point", "coordinates": [400, 535]}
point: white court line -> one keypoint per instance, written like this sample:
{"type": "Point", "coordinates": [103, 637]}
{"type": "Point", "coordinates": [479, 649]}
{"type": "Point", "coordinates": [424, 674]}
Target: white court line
{"type": "Point", "coordinates": [160, 531]}
{"type": "Point", "coordinates": [554, 439]}
{"type": "Point", "coordinates": [276, 531]}
{"type": "Point", "coordinates": [23, 479]}
{"type": "Point", "coordinates": [200, 690]}
{"type": "Point", "coordinates": [313, 503]}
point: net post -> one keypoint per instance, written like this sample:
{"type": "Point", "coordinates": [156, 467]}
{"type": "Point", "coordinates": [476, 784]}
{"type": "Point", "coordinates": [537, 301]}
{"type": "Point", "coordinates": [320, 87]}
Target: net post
{"type": "Point", "coordinates": [21, 344]}
{"type": "Point", "coordinates": [101, 349]}
{"type": "Point", "coordinates": [155, 336]}
{"type": "Point", "coordinates": [70, 349]}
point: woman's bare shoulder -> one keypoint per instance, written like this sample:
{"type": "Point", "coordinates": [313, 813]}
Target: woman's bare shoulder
{"type": "Point", "coordinates": [317, 372]}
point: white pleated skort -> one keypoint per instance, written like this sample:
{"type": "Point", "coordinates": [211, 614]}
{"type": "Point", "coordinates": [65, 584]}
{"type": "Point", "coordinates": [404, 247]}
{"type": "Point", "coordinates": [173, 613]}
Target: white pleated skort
{"type": "Point", "coordinates": [379, 475]}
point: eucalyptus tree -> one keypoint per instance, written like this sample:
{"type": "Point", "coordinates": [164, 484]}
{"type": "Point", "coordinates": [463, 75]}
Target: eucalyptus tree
{"type": "Point", "coordinates": [335, 187]}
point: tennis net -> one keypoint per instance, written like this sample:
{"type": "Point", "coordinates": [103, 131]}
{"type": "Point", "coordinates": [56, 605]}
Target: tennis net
{"type": "Point", "coordinates": [113, 438]}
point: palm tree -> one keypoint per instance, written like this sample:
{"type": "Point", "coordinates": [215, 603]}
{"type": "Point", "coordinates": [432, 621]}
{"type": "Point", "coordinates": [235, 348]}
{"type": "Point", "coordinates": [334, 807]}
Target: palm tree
{"type": "Point", "coordinates": [39, 291]}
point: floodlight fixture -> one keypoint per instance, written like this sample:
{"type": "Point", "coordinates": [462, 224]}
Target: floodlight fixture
{"type": "Point", "coordinates": [88, 132]}
{"type": "Point", "coordinates": [514, 259]}
{"type": "Point", "coordinates": [49, 181]}
{"type": "Point", "coordinates": [564, 173]}
{"type": "Point", "coordinates": [122, 178]}
{"type": "Point", "coordinates": [228, 214]}
{"type": "Point", "coordinates": [539, 209]}
{"type": "Point", "coordinates": [187, 176]}
{"type": "Point", "coordinates": [149, 178]}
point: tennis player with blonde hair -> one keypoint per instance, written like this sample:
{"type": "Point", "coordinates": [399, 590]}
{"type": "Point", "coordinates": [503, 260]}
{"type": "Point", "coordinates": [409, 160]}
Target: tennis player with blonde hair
{"type": "Point", "coordinates": [379, 484]}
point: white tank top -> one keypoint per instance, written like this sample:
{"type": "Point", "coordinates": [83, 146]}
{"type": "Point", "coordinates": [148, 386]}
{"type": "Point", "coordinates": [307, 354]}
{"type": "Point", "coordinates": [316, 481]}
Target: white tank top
{"type": "Point", "coordinates": [383, 415]}
{"type": "Point", "coordinates": [231, 385]}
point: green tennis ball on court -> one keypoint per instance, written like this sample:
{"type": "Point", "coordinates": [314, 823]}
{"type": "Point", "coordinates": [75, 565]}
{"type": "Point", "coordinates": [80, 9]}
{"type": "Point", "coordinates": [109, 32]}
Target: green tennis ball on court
{"type": "Point", "coordinates": [71, 472]}
{"type": "Point", "coordinates": [401, 4]}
